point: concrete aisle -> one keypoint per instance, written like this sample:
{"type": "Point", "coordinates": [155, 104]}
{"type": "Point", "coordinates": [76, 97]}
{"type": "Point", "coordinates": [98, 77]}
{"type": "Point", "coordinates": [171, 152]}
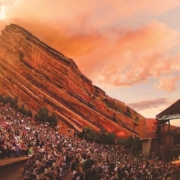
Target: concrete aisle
{"type": "Point", "coordinates": [12, 172]}
{"type": "Point", "coordinates": [8, 161]}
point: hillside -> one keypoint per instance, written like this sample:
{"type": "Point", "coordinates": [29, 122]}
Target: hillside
{"type": "Point", "coordinates": [40, 77]}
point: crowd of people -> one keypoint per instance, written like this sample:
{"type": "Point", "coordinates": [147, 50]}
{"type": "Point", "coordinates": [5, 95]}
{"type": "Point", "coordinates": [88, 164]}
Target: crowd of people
{"type": "Point", "coordinates": [52, 155]}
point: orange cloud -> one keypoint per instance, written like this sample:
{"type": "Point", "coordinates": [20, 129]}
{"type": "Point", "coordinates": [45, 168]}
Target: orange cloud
{"type": "Point", "coordinates": [148, 104]}
{"type": "Point", "coordinates": [167, 83]}
{"type": "Point", "coordinates": [142, 54]}
{"type": "Point", "coordinates": [134, 7]}
{"type": "Point", "coordinates": [100, 13]}
{"type": "Point", "coordinates": [89, 35]}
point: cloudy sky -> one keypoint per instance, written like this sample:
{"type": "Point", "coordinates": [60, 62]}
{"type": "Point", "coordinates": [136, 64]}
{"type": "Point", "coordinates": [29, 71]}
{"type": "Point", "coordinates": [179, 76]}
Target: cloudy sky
{"type": "Point", "coordinates": [129, 48]}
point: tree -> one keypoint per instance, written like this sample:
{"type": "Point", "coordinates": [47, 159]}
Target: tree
{"type": "Point", "coordinates": [85, 131]}
{"type": "Point", "coordinates": [97, 137]}
{"type": "Point", "coordinates": [8, 99]}
{"type": "Point", "coordinates": [102, 135]}
{"type": "Point", "coordinates": [129, 142]}
{"type": "Point", "coordinates": [1, 98]}
{"type": "Point", "coordinates": [22, 109]}
{"type": "Point", "coordinates": [136, 145]}
{"type": "Point", "coordinates": [14, 103]}
{"type": "Point", "coordinates": [52, 120]}
{"type": "Point", "coordinates": [110, 138]}
{"type": "Point", "coordinates": [42, 115]}
{"type": "Point", "coordinates": [89, 134]}
{"type": "Point", "coordinates": [29, 113]}
{"type": "Point", "coordinates": [121, 141]}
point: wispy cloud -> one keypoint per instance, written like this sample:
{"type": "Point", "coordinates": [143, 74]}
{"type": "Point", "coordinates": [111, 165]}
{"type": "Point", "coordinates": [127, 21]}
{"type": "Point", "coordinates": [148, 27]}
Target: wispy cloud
{"type": "Point", "coordinates": [2, 12]}
{"type": "Point", "coordinates": [142, 54]}
{"type": "Point", "coordinates": [148, 104]}
{"type": "Point", "coordinates": [167, 83]}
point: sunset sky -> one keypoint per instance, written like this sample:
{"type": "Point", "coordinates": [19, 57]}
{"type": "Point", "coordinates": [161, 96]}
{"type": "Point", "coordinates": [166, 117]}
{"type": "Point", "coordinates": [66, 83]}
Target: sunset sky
{"type": "Point", "coordinates": [128, 48]}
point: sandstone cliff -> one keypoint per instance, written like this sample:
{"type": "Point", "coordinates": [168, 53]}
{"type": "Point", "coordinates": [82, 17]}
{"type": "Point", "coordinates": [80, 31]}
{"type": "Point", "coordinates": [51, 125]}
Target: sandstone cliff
{"type": "Point", "coordinates": [40, 77]}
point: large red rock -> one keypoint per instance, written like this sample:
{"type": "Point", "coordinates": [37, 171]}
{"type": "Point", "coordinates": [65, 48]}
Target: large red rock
{"type": "Point", "coordinates": [40, 77]}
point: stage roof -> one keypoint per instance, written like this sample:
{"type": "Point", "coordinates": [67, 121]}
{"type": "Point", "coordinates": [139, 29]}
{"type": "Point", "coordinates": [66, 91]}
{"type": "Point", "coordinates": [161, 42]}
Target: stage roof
{"type": "Point", "coordinates": [172, 112]}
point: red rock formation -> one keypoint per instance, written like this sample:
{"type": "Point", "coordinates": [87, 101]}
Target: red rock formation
{"type": "Point", "coordinates": [42, 77]}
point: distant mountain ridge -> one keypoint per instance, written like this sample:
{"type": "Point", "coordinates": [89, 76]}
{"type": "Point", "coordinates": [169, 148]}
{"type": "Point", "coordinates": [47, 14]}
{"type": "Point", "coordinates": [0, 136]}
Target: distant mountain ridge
{"type": "Point", "coordinates": [40, 77]}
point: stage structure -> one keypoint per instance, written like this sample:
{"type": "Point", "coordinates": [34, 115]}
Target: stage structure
{"type": "Point", "coordinates": [165, 135]}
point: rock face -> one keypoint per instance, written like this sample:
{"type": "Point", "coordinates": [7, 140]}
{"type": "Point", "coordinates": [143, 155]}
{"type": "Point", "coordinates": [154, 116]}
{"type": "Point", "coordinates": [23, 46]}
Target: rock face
{"type": "Point", "coordinates": [42, 77]}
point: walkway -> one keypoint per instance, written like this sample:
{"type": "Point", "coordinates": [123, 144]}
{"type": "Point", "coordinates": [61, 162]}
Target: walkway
{"type": "Point", "coordinates": [11, 168]}
{"type": "Point", "coordinates": [10, 161]}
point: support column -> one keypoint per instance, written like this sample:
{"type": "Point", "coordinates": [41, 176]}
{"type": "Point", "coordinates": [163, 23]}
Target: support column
{"type": "Point", "coordinates": [169, 129]}
{"type": "Point", "coordinates": [146, 147]}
